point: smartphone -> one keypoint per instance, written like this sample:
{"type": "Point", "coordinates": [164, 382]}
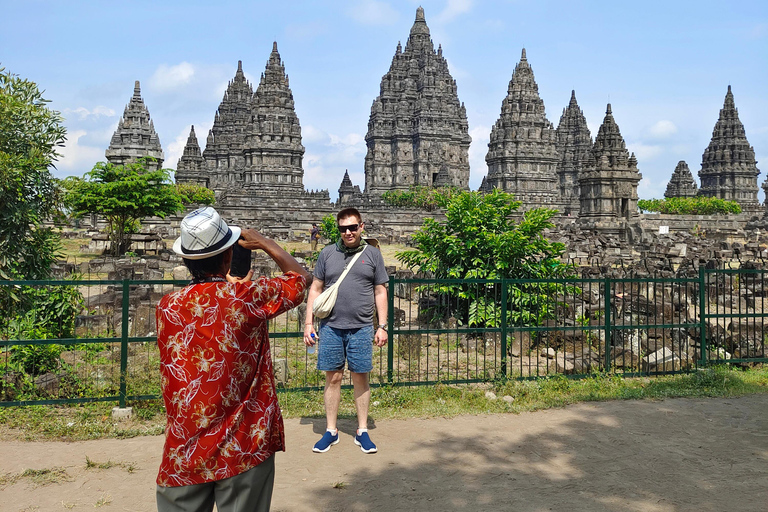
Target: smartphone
{"type": "Point", "coordinates": [241, 261]}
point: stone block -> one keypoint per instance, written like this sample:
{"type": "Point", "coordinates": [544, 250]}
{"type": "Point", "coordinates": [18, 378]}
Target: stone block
{"type": "Point", "coordinates": [280, 366]}
{"type": "Point", "coordinates": [122, 413]}
{"type": "Point", "coordinates": [663, 360]}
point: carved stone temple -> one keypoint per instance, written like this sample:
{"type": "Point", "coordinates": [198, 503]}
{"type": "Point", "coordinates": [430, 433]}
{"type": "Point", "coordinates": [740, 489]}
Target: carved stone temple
{"type": "Point", "coordinates": [417, 132]}
{"type": "Point", "coordinates": [522, 155]}
{"type": "Point", "coordinates": [574, 143]}
{"type": "Point", "coordinates": [135, 136]}
{"type": "Point", "coordinates": [608, 182]}
{"type": "Point", "coordinates": [682, 183]}
{"type": "Point", "coordinates": [728, 166]}
{"type": "Point", "coordinates": [253, 153]}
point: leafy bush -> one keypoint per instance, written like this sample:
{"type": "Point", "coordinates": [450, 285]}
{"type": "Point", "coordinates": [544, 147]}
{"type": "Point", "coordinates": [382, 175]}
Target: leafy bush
{"type": "Point", "coordinates": [329, 228]}
{"type": "Point", "coordinates": [479, 240]}
{"type": "Point", "coordinates": [426, 198]}
{"type": "Point", "coordinates": [699, 205]}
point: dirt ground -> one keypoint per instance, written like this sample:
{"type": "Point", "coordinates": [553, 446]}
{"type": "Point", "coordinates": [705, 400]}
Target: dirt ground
{"type": "Point", "coordinates": [664, 456]}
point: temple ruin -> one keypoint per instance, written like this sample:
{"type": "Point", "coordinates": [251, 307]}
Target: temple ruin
{"type": "Point", "coordinates": [135, 136]}
{"type": "Point", "coordinates": [609, 181]}
{"type": "Point", "coordinates": [418, 135]}
{"type": "Point", "coordinates": [417, 132]}
{"type": "Point", "coordinates": [522, 156]}
{"type": "Point", "coordinates": [728, 167]}
{"type": "Point", "coordinates": [574, 143]}
{"type": "Point", "coordinates": [682, 183]}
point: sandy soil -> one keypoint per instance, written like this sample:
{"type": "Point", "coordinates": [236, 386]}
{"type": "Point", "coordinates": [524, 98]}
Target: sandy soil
{"type": "Point", "coordinates": [672, 455]}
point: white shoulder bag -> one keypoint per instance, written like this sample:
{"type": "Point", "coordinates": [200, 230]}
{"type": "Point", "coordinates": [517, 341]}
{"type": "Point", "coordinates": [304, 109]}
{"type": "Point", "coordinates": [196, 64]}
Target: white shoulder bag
{"type": "Point", "coordinates": [324, 302]}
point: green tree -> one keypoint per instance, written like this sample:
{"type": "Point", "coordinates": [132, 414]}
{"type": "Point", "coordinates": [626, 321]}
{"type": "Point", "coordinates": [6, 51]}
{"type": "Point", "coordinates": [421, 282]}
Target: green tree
{"type": "Point", "coordinates": [30, 132]}
{"type": "Point", "coordinates": [125, 194]}
{"type": "Point", "coordinates": [480, 240]}
{"type": "Point", "coordinates": [329, 228]}
{"type": "Point", "coordinates": [698, 205]}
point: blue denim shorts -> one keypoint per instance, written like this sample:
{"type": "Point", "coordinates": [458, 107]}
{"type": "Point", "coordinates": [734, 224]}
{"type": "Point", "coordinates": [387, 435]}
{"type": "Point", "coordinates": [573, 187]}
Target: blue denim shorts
{"type": "Point", "coordinates": [353, 345]}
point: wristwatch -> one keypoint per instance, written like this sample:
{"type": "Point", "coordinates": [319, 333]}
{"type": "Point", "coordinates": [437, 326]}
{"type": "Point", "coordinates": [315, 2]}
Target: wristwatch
{"type": "Point", "coordinates": [383, 326]}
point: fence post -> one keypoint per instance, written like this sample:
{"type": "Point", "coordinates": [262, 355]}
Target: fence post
{"type": "Point", "coordinates": [702, 316]}
{"type": "Point", "coordinates": [504, 306]}
{"type": "Point", "coordinates": [607, 305]}
{"type": "Point", "coordinates": [391, 330]}
{"type": "Point", "coordinates": [124, 344]}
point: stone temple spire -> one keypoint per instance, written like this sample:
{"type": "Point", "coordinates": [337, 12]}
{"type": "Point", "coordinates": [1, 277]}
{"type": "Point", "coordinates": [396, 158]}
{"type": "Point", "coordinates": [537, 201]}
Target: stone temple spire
{"type": "Point", "coordinates": [522, 155]}
{"type": "Point", "coordinates": [346, 190]}
{"type": "Point", "coordinates": [728, 166]}
{"type": "Point", "coordinates": [273, 148]}
{"type": "Point", "coordinates": [682, 183]}
{"type": "Point", "coordinates": [608, 182]}
{"type": "Point", "coordinates": [224, 147]}
{"type": "Point", "coordinates": [418, 128]}
{"type": "Point", "coordinates": [135, 136]}
{"type": "Point", "coordinates": [191, 164]}
{"type": "Point", "coordinates": [574, 142]}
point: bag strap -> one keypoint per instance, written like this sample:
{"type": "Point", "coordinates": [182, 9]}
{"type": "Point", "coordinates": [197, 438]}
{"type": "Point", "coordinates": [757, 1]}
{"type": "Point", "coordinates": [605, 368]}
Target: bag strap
{"type": "Point", "coordinates": [348, 267]}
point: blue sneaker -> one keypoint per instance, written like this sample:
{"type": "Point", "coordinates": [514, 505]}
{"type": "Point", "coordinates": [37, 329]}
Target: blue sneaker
{"type": "Point", "coordinates": [364, 442]}
{"type": "Point", "coordinates": [325, 442]}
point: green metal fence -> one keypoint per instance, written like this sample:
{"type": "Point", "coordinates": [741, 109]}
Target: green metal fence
{"type": "Point", "coordinates": [447, 331]}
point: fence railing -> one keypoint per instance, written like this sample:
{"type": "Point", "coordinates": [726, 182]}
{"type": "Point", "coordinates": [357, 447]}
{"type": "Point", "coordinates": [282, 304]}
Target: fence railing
{"type": "Point", "coordinates": [83, 341]}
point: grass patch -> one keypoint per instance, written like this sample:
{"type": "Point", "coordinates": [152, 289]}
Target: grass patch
{"type": "Point", "coordinates": [38, 477]}
{"type": "Point", "coordinates": [130, 467]}
{"type": "Point", "coordinates": [93, 421]}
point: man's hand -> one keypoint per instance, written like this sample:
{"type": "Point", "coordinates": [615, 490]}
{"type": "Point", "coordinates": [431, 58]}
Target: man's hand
{"type": "Point", "coordinates": [253, 240]}
{"type": "Point", "coordinates": [246, 279]}
{"type": "Point", "coordinates": [309, 329]}
{"type": "Point", "coordinates": [381, 337]}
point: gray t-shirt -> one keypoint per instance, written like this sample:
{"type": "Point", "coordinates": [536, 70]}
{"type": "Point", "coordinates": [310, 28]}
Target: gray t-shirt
{"type": "Point", "coordinates": [354, 304]}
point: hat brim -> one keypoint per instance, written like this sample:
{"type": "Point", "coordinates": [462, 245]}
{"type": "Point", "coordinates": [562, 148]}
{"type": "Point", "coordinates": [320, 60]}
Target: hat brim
{"type": "Point", "coordinates": [234, 237]}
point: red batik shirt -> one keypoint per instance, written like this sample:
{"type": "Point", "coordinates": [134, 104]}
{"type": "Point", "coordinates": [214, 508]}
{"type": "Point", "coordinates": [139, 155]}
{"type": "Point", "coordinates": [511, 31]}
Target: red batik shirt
{"type": "Point", "coordinates": [217, 377]}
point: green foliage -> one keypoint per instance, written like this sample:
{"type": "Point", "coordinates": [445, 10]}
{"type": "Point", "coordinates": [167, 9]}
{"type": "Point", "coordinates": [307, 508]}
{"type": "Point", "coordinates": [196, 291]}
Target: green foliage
{"type": "Point", "coordinates": [479, 240]}
{"type": "Point", "coordinates": [329, 228]}
{"type": "Point", "coordinates": [29, 134]}
{"type": "Point", "coordinates": [699, 205]}
{"type": "Point", "coordinates": [426, 198]}
{"type": "Point", "coordinates": [124, 194]}
{"type": "Point", "coordinates": [195, 194]}
{"type": "Point", "coordinates": [43, 313]}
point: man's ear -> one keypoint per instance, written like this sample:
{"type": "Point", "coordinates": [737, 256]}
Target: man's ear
{"type": "Point", "coordinates": [226, 262]}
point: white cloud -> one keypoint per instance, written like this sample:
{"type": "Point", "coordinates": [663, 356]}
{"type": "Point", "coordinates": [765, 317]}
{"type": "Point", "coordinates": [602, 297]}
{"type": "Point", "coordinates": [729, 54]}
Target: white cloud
{"type": "Point", "coordinates": [76, 158]}
{"type": "Point", "coordinates": [373, 12]}
{"type": "Point", "coordinates": [83, 113]}
{"type": "Point", "coordinates": [651, 189]}
{"type": "Point", "coordinates": [759, 31]}
{"type": "Point", "coordinates": [454, 9]}
{"type": "Point", "coordinates": [645, 151]}
{"type": "Point", "coordinates": [481, 135]}
{"type": "Point", "coordinates": [168, 77]}
{"type": "Point", "coordinates": [662, 129]}
{"type": "Point", "coordinates": [329, 155]}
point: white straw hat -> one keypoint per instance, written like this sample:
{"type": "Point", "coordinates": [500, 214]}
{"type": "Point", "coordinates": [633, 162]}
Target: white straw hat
{"type": "Point", "coordinates": [204, 234]}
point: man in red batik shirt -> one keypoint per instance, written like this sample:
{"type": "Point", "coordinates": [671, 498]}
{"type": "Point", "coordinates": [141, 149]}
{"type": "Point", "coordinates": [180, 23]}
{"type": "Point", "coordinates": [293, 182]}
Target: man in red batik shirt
{"type": "Point", "coordinates": [224, 423]}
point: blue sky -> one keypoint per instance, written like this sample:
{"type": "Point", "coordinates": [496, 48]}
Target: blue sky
{"type": "Point", "coordinates": [663, 65]}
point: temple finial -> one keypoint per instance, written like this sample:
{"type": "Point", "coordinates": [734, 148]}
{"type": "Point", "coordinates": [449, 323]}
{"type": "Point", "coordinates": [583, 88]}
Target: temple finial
{"type": "Point", "coordinates": [523, 57]}
{"type": "Point", "coordinates": [274, 46]}
{"type": "Point", "coordinates": [608, 109]}
{"type": "Point", "coordinates": [137, 89]}
{"type": "Point", "coordinates": [420, 14]}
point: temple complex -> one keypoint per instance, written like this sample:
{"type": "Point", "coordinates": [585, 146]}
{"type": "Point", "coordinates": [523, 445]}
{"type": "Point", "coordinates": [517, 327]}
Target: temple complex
{"type": "Point", "coordinates": [728, 167]}
{"type": "Point", "coordinates": [574, 143]}
{"type": "Point", "coordinates": [135, 136]}
{"type": "Point", "coordinates": [682, 183]}
{"type": "Point", "coordinates": [417, 132]}
{"type": "Point", "coordinates": [522, 155]}
{"type": "Point", "coordinates": [608, 182]}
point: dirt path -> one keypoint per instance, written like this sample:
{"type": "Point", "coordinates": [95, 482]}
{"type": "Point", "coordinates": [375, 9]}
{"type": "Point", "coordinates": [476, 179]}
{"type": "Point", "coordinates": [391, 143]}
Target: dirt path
{"type": "Point", "coordinates": [672, 455]}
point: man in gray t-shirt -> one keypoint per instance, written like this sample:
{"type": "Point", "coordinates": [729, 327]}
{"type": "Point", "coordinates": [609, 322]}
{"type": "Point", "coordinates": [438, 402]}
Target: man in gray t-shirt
{"type": "Point", "coordinates": [347, 333]}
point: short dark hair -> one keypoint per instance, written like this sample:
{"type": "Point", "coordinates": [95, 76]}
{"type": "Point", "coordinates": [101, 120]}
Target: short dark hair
{"type": "Point", "coordinates": [348, 212]}
{"type": "Point", "coordinates": [200, 269]}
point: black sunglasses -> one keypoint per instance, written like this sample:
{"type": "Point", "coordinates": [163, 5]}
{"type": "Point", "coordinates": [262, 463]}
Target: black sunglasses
{"type": "Point", "coordinates": [351, 227]}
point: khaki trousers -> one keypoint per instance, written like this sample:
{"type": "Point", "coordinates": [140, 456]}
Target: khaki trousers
{"type": "Point", "coordinates": [250, 491]}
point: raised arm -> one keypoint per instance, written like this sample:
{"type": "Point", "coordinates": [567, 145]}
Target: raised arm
{"type": "Point", "coordinates": [252, 239]}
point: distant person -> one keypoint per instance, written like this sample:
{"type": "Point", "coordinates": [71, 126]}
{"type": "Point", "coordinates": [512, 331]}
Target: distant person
{"type": "Point", "coordinates": [347, 334]}
{"type": "Point", "coordinates": [224, 423]}
{"type": "Point", "coordinates": [314, 236]}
